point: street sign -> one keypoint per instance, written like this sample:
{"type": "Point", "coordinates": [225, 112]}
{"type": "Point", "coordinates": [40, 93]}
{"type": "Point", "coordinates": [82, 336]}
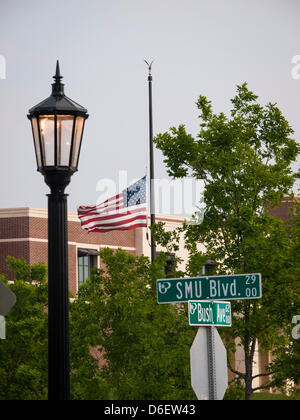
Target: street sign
{"type": "Point", "coordinates": [7, 299]}
{"type": "Point", "coordinates": [230, 287]}
{"type": "Point", "coordinates": [207, 313]}
{"type": "Point", "coordinates": [208, 357]}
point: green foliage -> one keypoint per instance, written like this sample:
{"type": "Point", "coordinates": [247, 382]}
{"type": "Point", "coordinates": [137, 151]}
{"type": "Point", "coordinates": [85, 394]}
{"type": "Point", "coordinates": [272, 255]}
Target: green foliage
{"type": "Point", "coordinates": [85, 381]}
{"type": "Point", "coordinates": [263, 396]}
{"type": "Point", "coordinates": [287, 361]}
{"type": "Point", "coordinates": [235, 391]}
{"type": "Point", "coordinates": [23, 355]}
{"type": "Point", "coordinates": [287, 364]}
{"type": "Point", "coordinates": [245, 162]}
{"type": "Point", "coordinates": [145, 345]}
{"type": "Point", "coordinates": [123, 345]}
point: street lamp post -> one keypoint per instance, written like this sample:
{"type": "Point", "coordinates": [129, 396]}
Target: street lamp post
{"type": "Point", "coordinates": [57, 127]}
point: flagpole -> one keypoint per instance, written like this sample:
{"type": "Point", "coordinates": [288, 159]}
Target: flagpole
{"type": "Point", "coordinates": [152, 198]}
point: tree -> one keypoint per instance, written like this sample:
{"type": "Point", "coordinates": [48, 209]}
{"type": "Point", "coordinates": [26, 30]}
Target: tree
{"type": "Point", "coordinates": [23, 355]}
{"type": "Point", "coordinates": [145, 345]}
{"type": "Point", "coordinates": [123, 345]}
{"type": "Point", "coordinates": [286, 364]}
{"type": "Point", "coordinates": [245, 163]}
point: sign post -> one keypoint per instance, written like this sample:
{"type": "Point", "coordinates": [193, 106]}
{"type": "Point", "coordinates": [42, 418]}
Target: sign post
{"type": "Point", "coordinates": [208, 314]}
{"type": "Point", "coordinates": [208, 357]}
{"type": "Point", "coordinates": [211, 352]}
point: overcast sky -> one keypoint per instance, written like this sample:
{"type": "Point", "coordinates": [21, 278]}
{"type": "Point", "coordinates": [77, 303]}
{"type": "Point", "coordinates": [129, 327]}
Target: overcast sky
{"type": "Point", "coordinates": [199, 46]}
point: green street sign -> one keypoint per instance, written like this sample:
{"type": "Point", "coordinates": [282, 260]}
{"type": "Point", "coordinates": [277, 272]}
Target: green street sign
{"type": "Point", "coordinates": [208, 313]}
{"type": "Point", "coordinates": [231, 287]}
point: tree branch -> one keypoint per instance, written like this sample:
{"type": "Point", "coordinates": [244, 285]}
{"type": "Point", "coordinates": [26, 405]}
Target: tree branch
{"type": "Point", "coordinates": [240, 374]}
{"type": "Point", "coordinates": [263, 374]}
{"type": "Point", "coordinates": [262, 387]}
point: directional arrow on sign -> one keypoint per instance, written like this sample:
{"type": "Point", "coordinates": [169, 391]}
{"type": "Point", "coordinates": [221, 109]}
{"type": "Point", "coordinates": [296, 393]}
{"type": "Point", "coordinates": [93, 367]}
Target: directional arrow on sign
{"type": "Point", "coordinates": [7, 299]}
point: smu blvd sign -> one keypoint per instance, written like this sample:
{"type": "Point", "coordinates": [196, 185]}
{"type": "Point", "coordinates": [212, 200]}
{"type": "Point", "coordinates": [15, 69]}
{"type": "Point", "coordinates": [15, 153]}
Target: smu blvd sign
{"type": "Point", "coordinates": [231, 287]}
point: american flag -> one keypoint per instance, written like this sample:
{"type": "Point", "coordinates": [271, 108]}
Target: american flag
{"type": "Point", "coordinates": [124, 211]}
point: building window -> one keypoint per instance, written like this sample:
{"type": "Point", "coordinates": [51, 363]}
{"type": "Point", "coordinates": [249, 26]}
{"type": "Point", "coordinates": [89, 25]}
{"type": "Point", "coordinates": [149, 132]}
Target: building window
{"type": "Point", "coordinates": [87, 259]}
{"type": "Point", "coordinates": [209, 268]}
{"type": "Point", "coordinates": [170, 265]}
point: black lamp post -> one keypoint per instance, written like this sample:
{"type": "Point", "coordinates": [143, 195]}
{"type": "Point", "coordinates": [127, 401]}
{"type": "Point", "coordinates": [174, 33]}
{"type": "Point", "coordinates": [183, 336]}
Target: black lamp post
{"type": "Point", "coordinates": [57, 127]}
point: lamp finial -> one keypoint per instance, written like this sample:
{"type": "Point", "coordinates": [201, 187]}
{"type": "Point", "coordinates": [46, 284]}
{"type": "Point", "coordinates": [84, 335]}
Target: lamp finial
{"type": "Point", "coordinates": [57, 87]}
{"type": "Point", "coordinates": [57, 76]}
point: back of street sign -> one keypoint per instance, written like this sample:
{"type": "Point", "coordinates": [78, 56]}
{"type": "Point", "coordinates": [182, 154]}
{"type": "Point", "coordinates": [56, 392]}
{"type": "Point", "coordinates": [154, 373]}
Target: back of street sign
{"type": "Point", "coordinates": [7, 299]}
{"type": "Point", "coordinates": [208, 357]}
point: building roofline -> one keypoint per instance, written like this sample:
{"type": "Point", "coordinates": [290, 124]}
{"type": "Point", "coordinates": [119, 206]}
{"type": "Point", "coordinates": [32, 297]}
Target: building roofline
{"type": "Point", "coordinates": [72, 216]}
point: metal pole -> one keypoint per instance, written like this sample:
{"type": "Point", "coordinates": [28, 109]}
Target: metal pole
{"type": "Point", "coordinates": [212, 383]}
{"type": "Point", "coordinates": [152, 198]}
{"type": "Point", "coordinates": [58, 305]}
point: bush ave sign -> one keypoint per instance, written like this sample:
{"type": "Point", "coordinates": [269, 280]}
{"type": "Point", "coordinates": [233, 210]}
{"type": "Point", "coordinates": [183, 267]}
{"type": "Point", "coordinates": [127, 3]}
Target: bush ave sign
{"type": "Point", "coordinates": [231, 287]}
{"type": "Point", "coordinates": [208, 313]}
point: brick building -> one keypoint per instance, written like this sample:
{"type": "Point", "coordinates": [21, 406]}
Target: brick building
{"type": "Point", "coordinates": [285, 210]}
{"type": "Point", "coordinates": [24, 234]}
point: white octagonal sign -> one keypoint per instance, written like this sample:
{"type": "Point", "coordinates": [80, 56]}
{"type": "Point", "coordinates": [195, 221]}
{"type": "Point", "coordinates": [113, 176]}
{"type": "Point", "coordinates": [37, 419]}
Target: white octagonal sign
{"type": "Point", "coordinates": [7, 299]}
{"type": "Point", "coordinates": [200, 362]}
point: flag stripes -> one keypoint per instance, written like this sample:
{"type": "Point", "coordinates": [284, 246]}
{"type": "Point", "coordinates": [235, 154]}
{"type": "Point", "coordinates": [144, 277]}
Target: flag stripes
{"type": "Point", "coordinates": [117, 213]}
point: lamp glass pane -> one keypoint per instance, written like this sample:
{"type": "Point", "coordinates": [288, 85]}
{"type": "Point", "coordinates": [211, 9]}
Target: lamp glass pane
{"type": "Point", "coordinates": [36, 141]}
{"type": "Point", "coordinates": [77, 141]}
{"type": "Point", "coordinates": [48, 138]}
{"type": "Point", "coordinates": [64, 139]}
